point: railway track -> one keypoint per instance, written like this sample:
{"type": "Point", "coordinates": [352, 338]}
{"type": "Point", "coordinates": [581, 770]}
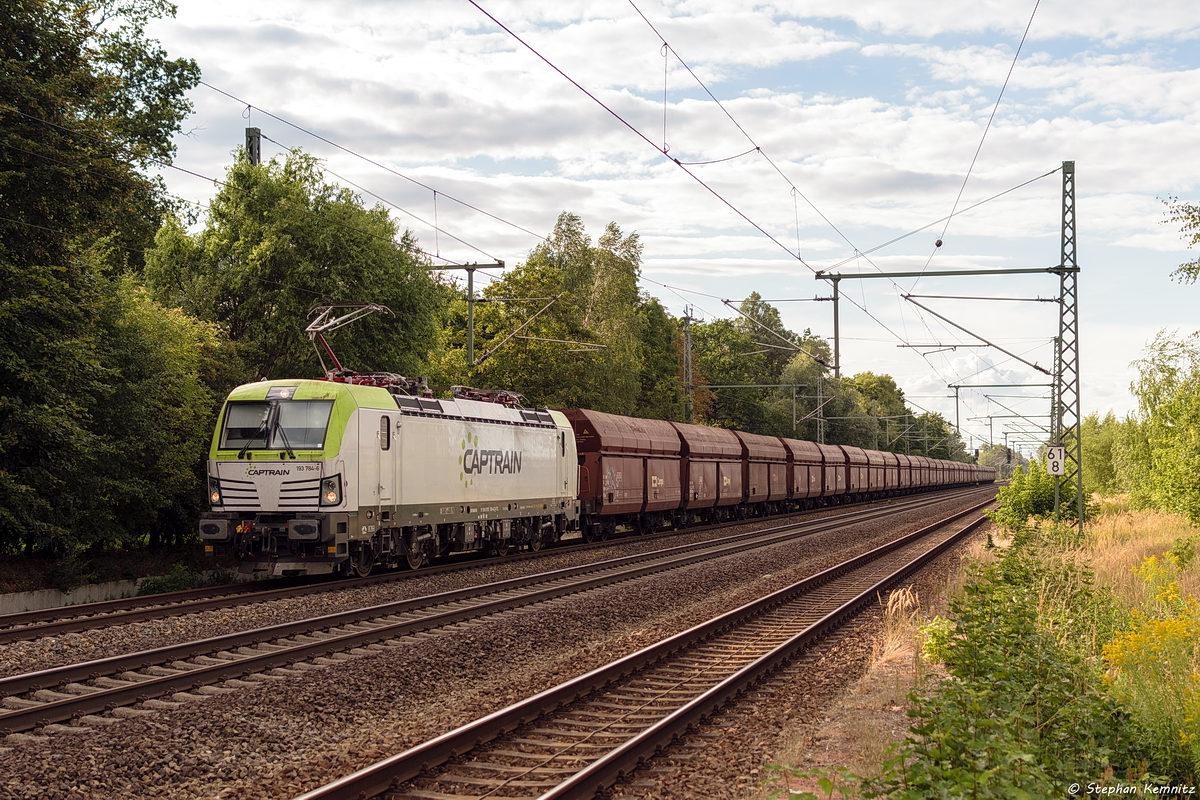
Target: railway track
{"type": "Point", "coordinates": [577, 739]}
{"type": "Point", "coordinates": [77, 694]}
{"type": "Point", "coordinates": [28, 625]}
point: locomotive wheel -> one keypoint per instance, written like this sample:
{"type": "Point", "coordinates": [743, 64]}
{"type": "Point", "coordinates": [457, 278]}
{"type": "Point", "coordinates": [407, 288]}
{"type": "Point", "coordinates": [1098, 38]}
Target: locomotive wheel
{"type": "Point", "coordinates": [536, 540]}
{"type": "Point", "coordinates": [362, 560]}
{"type": "Point", "coordinates": [414, 558]}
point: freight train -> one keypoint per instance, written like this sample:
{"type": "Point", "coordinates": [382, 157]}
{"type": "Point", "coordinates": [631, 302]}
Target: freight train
{"type": "Point", "coordinates": [357, 472]}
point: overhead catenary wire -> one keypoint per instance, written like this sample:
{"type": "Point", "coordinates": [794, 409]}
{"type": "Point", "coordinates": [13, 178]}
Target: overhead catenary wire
{"type": "Point", "coordinates": [371, 161]}
{"type": "Point", "coordinates": [667, 48]}
{"type": "Point", "coordinates": [157, 255]}
{"type": "Point", "coordinates": [215, 181]}
{"type": "Point", "coordinates": [729, 204]}
{"type": "Point", "coordinates": [389, 203]}
{"type": "Point", "coordinates": [983, 136]}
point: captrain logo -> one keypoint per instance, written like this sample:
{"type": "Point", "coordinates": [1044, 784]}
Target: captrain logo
{"type": "Point", "coordinates": [475, 461]}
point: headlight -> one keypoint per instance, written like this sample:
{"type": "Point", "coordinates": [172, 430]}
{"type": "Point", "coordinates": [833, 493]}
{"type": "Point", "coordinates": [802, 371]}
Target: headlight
{"type": "Point", "coordinates": [331, 491]}
{"type": "Point", "coordinates": [214, 491]}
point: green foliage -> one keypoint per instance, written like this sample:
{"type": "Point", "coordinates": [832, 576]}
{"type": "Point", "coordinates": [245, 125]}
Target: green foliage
{"type": "Point", "coordinates": [1020, 714]}
{"type": "Point", "coordinates": [1187, 216]}
{"type": "Point", "coordinates": [1152, 665]}
{"type": "Point", "coordinates": [661, 395]}
{"type": "Point", "coordinates": [106, 420]}
{"type": "Point", "coordinates": [838, 781]}
{"type": "Point", "coordinates": [935, 639]}
{"type": "Point", "coordinates": [86, 98]}
{"type": "Point", "coordinates": [633, 366]}
{"type": "Point", "coordinates": [278, 240]}
{"type": "Point", "coordinates": [1099, 439]}
{"type": "Point", "coordinates": [156, 416]}
{"type": "Point", "coordinates": [1168, 392]}
{"type": "Point", "coordinates": [181, 578]}
{"type": "Point", "coordinates": [1004, 459]}
{"type": "Point", "coordinates": [885, 397]}
{"type": "Point", "coordinates": [1028, 497]}
{"type": "Point", "coordinates": [722, 350]}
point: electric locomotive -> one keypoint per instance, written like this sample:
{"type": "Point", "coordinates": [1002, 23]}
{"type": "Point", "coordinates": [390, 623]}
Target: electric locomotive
{"type": "Point", "coordinates": [340, 475]}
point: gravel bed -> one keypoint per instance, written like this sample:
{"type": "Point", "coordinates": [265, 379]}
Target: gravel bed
{"type": "Point", "coordinates": [283, 734]}
{"type": "Point", "coordinates": [726, 760]}
{"type": "Point", "coordinates": [18, 658]}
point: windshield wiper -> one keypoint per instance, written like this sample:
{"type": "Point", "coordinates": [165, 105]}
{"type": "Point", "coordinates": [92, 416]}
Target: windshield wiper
{"type": "Point", "coordinates": [261, 430]}
{"type": "Point", "coordinates": [283, 435]}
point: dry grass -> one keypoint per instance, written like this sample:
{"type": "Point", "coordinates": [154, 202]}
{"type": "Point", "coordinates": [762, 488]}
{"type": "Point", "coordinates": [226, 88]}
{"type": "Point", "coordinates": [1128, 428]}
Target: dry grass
{"type": "Point", "coordinates": [1119, 541]}
{"type": "Point", "coordinates": [900, 614]}
{"type": "Point", "coordinates": [869, 718]}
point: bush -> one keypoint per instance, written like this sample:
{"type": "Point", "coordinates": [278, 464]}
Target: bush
{"type": "Point", "coordinates": [1152, 665]}
{"type": "Point", "coordinates": [1019, 714]}
{"type": "Point", "coordinates": [180, 579]}
{"type": "Point", "coordinates": [1029, 495]}
{"type": "Point", "coordinates": [1023, 712]}
{"type": "Point", "coordinates": [935, 640]}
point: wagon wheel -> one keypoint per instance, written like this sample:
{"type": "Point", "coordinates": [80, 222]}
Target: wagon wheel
{"type": "Point", "coordinates": [597, 531]}
{"type": "Point", "coordinates": [362, 560]}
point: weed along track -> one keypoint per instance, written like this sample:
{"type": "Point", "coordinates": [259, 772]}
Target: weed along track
{"type": "Point", "coordinates": [161, 679]}
{"type": "Point", "coordinates": [579, 738]}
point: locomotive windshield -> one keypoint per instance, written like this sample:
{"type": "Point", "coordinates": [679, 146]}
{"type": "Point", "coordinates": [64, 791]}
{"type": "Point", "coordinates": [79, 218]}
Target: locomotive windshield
{"type": "Point", "coordinates": [276, 425]}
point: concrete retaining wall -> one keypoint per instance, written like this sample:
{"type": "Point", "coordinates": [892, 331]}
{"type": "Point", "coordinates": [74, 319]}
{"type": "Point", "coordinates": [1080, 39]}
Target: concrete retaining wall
{"type": "Point", "coordinates": [53, 598]}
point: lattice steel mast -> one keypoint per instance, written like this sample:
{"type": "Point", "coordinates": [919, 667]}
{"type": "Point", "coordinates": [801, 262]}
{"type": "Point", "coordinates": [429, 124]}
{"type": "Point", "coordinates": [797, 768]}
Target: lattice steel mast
{"type": "Point", "coordinates": [1065, 423]}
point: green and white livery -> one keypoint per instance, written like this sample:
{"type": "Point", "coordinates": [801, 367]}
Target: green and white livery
{"type": "Point", "coordinates": [331, 476]}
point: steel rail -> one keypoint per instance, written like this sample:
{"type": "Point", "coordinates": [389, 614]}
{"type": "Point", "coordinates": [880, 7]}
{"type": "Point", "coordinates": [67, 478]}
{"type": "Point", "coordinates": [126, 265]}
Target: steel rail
{"type": "Point", "coordinates": [27, 625]}
{"type": "Point", "coordinates": [623, 760]}
{"type": "Point", "coordinates": [609, 768]}
{"type": "Point", "coordinates": [455, 606]}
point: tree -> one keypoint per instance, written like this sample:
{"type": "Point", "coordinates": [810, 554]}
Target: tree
{"type": "Point", "coordinates": [661, 378]}
{"type": "Point", "coordinates": [763, 326]}
{"type": "Point", "coordinates": [724, 352]}
{"type": "Point", "coordinates": [595, 302]}
{"type": "Point", "coordinates": [1098, 438]}
{"type": "Point", "coordinates": [155, 420]}
{"type": "Point", "coordinates": [1187, 216]}
{"type": "Point", "coordinates": [881, 391]}
{"type": "Point", "coordinates": [279, 240]}
{"type": "Point", "coordinates": [1168, 392]}
{"type": "Point", "coordinates": [1029, 495]}
{"type": "Point", "coordinates": [541, 367]}
{"type": "Point", "coordinates": [86, 101]}
{"type": "Point", "coordinates": [810, 385]}
{"type": "Point", "coordinates": [1004, 459]}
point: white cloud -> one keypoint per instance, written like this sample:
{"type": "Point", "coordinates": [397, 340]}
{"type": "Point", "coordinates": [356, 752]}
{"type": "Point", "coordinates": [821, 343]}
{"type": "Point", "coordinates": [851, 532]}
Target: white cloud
{"type": "Point", "coordinates": [439, 94]}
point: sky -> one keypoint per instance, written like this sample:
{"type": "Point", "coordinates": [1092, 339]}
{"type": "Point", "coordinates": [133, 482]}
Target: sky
{"type": "Point", "coordinates": [752, 145]}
